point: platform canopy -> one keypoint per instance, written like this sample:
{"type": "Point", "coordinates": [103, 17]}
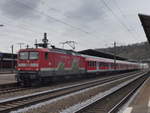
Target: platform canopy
{"type": "Point", "coordinates": [7, 56]}
{"type": "Point", "coordinates": [98, 53]}
{"type": "Point", "coordinates": [145, 20]}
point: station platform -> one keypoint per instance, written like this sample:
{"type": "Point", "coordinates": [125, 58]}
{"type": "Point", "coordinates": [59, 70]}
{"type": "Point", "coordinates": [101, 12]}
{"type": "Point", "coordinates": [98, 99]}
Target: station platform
{"type": "Point", "coordinates": [140, 103]}
{"type": "Point", "coordinates": [7, 78]}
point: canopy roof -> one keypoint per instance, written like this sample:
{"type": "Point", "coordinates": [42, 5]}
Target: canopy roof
{"type": "Point", "coordinates": [145, 20]}
{"type": "Point", "coordinates": [97, 53]}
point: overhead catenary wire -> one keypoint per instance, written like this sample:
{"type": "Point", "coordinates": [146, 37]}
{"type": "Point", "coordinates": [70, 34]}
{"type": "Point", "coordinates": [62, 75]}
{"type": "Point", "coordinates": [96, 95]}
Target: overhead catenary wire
{"type": "Point", "coordinates": [115, 16]}
{"type": "Point", "coordinates": [124, 16]}
{"type": "Point", "coordinates": [58, 20]}
{"type": "Point", "coordinates": [69, 24]}
{"type": "Point", "coordinates": [63, 22]}
{"type": "Point", "coordinates": [7, 22]}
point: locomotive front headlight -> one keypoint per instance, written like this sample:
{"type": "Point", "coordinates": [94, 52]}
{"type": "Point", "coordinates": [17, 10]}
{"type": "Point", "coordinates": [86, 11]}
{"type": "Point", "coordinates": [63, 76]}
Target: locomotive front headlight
{"type": "Point", "coordinates": [36, 69]}
{"type": "Point", "coordinates": [21, 64]}
{"type": "Point", "coordinates": [34, 65]}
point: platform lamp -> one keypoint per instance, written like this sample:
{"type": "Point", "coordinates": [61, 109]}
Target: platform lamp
{"type": "Point", "coordinates": [115, 55]}
{"type": "Point", "coordinates": [1, 65]}
{"type": "Point", "coordinates": [12, 56]}
{"type": "Point", "coordinates": [20, 44]}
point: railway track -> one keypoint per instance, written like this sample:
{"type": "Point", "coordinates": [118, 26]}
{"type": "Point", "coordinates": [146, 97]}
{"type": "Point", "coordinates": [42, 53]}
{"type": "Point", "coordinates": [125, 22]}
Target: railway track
{"type": "Point", "coordinates": [10, 104]}
{"type": "Point", "coordinates": [113, 101]}
{"type": "Point", "coordinates": [13, 87]}
{"type": "Point", "coordinates": [9, 88]}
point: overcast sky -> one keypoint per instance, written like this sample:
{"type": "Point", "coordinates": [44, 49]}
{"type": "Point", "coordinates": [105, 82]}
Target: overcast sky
{"type": "Point", "coordinates": [91, 23]}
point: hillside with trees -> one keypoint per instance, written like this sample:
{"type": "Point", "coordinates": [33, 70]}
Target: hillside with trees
{"type": "Point", "coordinates": [138, 51]}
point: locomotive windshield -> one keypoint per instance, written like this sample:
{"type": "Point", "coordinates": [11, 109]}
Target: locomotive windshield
{"type": "Point", "coordinates": [28, 55]}
{"type": "Point", "coordinates": [23, 55]}
{"type": "Point", "coordinates": [33, 55]}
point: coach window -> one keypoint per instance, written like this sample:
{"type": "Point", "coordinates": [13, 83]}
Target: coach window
{"type": "Point", "coordinates": [95, 64]}
{"type": "Point", "coordinates": [105, 65]}
{"type": "Point", "coordinates": [46, 56]}
{"type": "Point", "coordinates": [88, 63]}
{"type": "Point", "coordinates": [100, 64]}
{"type": "Point", "coordinates": [91, 63]}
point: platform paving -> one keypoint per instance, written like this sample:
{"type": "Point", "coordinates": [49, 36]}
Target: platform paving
{"type": "Point", "coordinates": [141, 102]}
{"type": "Point", "coordinates": [7, 78]}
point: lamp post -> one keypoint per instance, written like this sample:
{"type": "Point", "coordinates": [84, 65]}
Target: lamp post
{"type": "Point", "coordinates": [20, 44]}
{"type": "Point", "coordinates": [1, 57]}
{"type": "Point", "coordinates": [115, 55]}
{"type": "Point", "coordinates": [12, 56]}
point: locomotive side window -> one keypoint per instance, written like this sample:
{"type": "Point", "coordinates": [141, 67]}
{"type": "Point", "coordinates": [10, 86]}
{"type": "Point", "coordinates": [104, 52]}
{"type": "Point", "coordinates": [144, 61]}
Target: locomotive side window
{"type": "Point", "coordinates": [88, 63]}
{"type": "Point", "coordinates": [46, 56]}
{"type": "Point", "coordinates": [94, 63]}
{"type": "Point", "coordinates": [33, 55]}
{"type": "Point", "coordinates": [23, 55]}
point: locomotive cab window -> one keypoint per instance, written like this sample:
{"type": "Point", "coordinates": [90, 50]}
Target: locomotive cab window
{"type": "Point", "coordinates": [28, 55]}
{"type": "Point", "coordinates": [23, 55]}
{"type": "Point", "coordinates": [46, 56]}
{"type": "Point", "coordinates": [34, 55]}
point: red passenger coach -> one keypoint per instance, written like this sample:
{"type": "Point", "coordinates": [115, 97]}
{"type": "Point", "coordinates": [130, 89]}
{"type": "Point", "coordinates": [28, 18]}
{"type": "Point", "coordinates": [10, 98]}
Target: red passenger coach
{"type": "Point", "coordinates": [98, 64]}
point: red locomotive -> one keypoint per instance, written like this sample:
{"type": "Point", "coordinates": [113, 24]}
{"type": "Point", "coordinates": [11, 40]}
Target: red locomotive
{"type": "Point", "coordinates": [44, 64]}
